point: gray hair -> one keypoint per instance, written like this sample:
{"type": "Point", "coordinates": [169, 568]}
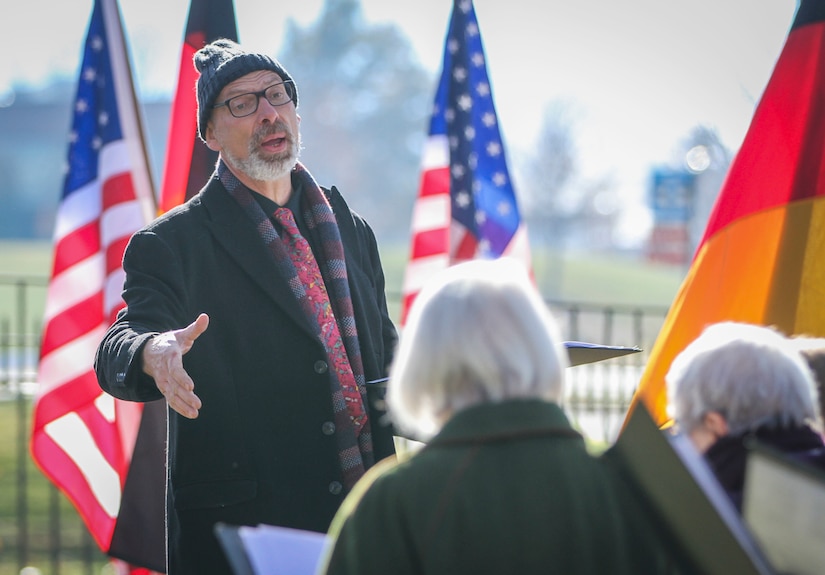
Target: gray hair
{"type": "Point", "coordinates": [750, 374]}
{"type": "Point", "coordinates": [479, 333]}
{"type": "Point", "coordinates": [813, 352]}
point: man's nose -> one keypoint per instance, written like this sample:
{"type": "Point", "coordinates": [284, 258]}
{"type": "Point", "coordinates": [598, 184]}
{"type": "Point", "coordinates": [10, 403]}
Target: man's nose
{"type": "Point", "coordinates": [267, 110]}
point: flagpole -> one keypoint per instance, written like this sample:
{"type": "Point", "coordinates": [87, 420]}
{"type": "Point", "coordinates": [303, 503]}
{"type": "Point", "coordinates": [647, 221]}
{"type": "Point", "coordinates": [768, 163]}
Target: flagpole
{"type": "Point", "coordinates": [134, 132]}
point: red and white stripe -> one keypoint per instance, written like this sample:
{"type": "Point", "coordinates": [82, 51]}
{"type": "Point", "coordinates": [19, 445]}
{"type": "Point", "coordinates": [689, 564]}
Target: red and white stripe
{"type": "Point", "coordinates": [437, 240]}
{"type": "Point", "coordinates": [431, 219]}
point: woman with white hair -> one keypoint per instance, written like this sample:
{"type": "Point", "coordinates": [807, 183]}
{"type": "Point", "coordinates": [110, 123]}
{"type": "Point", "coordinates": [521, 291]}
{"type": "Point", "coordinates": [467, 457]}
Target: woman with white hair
{"type": "Point", "coordinates": [738, 383]}
{"type": "Point", "coordinates": [813, 352]}
{"type": "Point", "coordinates": [504, 483]}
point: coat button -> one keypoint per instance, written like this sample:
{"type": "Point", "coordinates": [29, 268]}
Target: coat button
{"type": "Point", "coordinates": [328, 428]}
{"type": "Point", "coordinates": [320, 366]}
{"type": "Point", "coordinates": [336, 488]}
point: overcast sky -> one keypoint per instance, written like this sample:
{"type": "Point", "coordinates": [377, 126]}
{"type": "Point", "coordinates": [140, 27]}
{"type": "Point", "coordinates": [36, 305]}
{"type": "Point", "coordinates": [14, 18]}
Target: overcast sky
{"type": "Point", "coordinates": [636, 74]}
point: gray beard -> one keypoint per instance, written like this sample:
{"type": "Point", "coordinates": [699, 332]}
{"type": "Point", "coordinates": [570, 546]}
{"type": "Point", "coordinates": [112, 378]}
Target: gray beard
{"type": "Point", "coordinates": [267, 169]}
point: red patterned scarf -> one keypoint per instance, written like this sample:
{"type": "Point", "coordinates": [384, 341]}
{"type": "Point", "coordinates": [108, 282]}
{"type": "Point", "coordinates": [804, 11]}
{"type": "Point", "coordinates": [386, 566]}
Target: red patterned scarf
{"type": "Point", "coordinates": [354, 449]}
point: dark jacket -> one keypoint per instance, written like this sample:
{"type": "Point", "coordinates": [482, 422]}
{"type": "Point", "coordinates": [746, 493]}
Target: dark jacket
{"type": "Point", "coordinates": [728, 456]}
{"type": "Point", "coordinates": [262, 449]}
{"type": "Point", "coordinates": [503, 488]}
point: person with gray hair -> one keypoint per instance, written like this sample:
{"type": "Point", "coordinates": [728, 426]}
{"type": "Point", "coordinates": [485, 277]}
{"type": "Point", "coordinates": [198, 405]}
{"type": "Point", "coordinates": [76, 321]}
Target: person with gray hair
{"type": "Point", "coordinates": [739, 383]}
{"type": "Point", "coordinates": [257, 311]}
{"type": "Point", "coordinates": [504, 483]}
{"type": "Point", "coordinates": [813, 352]}
{"type": "Point", "coordinates": [477, 337]}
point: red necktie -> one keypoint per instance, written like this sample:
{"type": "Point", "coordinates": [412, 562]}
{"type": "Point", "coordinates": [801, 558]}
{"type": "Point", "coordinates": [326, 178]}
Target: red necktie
{"type": "Point", "coordinates": [316, 292]}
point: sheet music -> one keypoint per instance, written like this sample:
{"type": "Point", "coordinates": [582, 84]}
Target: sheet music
{"type": "Point", "coordinates": [282, 551]}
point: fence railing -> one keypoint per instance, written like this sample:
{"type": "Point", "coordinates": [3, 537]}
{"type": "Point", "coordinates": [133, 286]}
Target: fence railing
{"type": "Point", "coordinates": [40, 533]}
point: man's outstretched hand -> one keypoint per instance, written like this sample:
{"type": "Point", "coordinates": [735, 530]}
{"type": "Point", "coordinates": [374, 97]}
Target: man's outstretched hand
{"type": "Point", "coordinates": [163, 361]}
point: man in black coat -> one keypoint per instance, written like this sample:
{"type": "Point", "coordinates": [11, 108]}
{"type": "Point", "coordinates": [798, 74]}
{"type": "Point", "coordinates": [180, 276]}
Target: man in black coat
{"type": "Point", "coordinates": [261, 346]}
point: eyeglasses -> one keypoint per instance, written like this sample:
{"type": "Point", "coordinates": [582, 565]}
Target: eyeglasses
{"type": "Point", "coordinates": [247, 104]}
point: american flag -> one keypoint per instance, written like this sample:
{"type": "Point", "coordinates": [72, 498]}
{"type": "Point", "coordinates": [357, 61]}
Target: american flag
{"type": "Point", "coordinates": [82, 439]}
{"type": "Point", "coordinates": [466, 207]}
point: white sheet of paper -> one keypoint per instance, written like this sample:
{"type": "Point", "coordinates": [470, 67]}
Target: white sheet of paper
{"type": "Point", "coordinates": [282, 551]}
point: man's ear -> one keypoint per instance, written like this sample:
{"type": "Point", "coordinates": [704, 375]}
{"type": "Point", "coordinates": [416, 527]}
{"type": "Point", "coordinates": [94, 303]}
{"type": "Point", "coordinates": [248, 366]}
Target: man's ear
{"type": "Point", "coordinates": [716, 423]}
{"type": "Point", "coordinates": [209, 137]}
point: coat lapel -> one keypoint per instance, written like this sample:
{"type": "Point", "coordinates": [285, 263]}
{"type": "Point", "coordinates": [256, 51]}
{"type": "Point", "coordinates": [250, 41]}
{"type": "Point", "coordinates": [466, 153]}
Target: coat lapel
{"type": "Point", "coordinates": [233, 230]}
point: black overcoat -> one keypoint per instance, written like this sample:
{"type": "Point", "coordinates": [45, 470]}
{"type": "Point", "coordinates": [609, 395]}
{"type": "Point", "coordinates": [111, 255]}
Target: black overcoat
{"type": "Point", "coordinates": [262, 449]}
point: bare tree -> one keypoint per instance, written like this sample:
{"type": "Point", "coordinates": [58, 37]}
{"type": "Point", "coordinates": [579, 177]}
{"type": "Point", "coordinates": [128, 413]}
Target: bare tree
{"type": "Point", "coordinates": [364, 101]}
{"type": "Point", "coordinates": [553, 166]}
{"type": "Point", "coordinates": [563, 207]}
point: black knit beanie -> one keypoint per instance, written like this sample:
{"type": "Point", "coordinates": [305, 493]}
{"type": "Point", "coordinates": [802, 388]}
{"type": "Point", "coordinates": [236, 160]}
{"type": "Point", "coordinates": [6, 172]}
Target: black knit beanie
{"type": "Point", "coordinates": [224, 61]}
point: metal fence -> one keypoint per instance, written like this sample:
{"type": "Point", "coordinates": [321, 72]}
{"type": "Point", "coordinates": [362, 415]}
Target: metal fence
{"type": "Point", "coordinates": [40, 533]}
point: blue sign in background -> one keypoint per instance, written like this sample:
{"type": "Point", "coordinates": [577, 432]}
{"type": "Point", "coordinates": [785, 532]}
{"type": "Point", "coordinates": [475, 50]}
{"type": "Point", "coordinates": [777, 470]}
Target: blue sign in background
{"type": "Point", "coordinates": [671, 196]}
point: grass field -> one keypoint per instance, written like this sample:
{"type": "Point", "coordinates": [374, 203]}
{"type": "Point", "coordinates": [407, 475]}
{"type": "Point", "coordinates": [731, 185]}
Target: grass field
{"type": "Point", "coordinates": [27, 258]}
{"type": "Point", "coordinates": [579, 278]}
{"type": "Point", "coordinates": [605, 279]}
{"type": "Point", "coordinates": [583, 278]}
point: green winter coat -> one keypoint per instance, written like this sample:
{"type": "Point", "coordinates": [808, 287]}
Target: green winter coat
{"type": "Point", "coordinates": [503, 488]}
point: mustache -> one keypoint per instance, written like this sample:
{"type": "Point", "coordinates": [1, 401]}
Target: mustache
{"type": "Point", "coordinates": [268, 130]}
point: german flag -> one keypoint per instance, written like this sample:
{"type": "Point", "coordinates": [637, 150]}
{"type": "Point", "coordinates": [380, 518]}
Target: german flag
{"type": "Point", "coordinates": [762, 257]}
{"type": "Point", "coordinates": [189, 163]}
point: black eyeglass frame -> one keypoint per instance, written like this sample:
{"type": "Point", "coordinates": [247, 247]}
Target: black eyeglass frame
{"type": "Point", "coordinates": [289, 90]}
